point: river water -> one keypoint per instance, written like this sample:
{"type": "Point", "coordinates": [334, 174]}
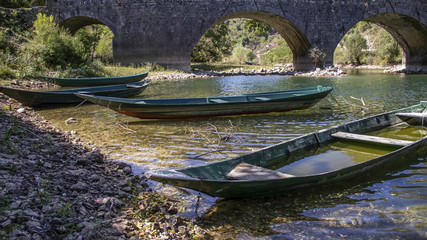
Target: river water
{"type": "Point", "coordinates": [391, 205]}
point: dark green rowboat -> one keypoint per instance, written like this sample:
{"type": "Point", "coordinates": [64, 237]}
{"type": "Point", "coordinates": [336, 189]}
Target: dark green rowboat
{"type": "Point", "coordinates": [34, 98]}
{"type": "Point", "coordinates": [296, 162]}
{"type": "Point", "coordinates": [95, 81]}
{"type": "Point", "coordinates": [279, 101]}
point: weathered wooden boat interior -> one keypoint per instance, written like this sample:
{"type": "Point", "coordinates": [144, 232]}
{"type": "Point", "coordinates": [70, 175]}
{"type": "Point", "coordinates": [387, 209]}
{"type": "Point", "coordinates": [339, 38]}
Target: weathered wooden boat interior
{"type": "Point", "coordinates": [323, 151]}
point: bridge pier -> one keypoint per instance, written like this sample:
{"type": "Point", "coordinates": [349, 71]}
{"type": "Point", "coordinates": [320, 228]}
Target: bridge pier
{"type": "Point", "coordinates": [171, 56]}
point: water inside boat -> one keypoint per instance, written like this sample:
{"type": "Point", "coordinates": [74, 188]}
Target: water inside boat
{"type": "Point", "coordinates": [343, 153]}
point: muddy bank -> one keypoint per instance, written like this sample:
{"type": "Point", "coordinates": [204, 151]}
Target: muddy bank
{"type": "Point", "coordinates": [53, 186]}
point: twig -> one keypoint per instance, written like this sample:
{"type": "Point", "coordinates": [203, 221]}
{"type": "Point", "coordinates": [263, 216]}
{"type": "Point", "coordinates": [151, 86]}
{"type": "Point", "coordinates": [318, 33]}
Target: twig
{"type": "Point", "coordinates": [354, 105]}
{"type": "Point", "coordinates": [212, 151]}
{"type": "Point", "coordinates": [217, 133]}
{"type": "Point", "coordinates": [80, 104]}
{"type": "Point", "coordinates": [125, 127]}
{"type": "Point", "coordinates": [361, 99]}
{"type": "Point", "coordinates": [30, 132]}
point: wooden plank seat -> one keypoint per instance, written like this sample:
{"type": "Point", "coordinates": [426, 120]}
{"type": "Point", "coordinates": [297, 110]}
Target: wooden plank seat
{"type": "Point", "coordinates": [413, 118]}
{"type": "Point", "coordinates": [245, 171]}
{"type": "Point", "coordinates": [371, 139]}
{"type": "Point", "coordinates": [412, 114]}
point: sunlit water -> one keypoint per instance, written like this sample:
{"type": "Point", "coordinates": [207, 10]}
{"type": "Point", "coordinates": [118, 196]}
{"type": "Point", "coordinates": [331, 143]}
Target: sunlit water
{"type": "Point", "coordinates": [393, 205]}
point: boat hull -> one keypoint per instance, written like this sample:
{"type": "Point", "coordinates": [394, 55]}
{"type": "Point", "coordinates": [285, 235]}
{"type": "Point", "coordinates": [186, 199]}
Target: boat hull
{"type": "Point", "coordinates": [215, 106]}
{"type": "Point", "coordinates": [211, 178]}
{"type": "Point", "coordinates": [96, 81]}
{"type": "Point", "coordinates": [35, 98]}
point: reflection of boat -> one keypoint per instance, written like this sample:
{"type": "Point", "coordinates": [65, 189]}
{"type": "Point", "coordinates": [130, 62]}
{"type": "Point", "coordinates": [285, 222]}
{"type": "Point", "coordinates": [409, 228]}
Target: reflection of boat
{"type": "Point", "coordinates": [95, 81]}
{"type": "Point", "coordinates": [33, 98]}
{"type": "Point", "coordinates": [215, 106]}
{"type": "Point", "coordinates": [303, 161]}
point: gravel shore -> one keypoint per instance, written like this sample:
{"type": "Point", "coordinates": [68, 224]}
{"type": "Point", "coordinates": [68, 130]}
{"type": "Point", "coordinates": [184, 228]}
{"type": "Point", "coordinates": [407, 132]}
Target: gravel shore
{"type": "Point", "coordinates": [53, 186]}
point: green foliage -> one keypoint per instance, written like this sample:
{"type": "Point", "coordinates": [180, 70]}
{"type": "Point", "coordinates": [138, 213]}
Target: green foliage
{"type": "Point", "coordinates": [104, 49]}
{"type": "Point", "coordinates": [280, 54]}
{"type": "Point", "coordinates": [389, 51]}
{"type": "Point", "coordinates": [97, 41]}
{"type": "Point", "coordinates": [368, 43]}
{"type": "Point", "coordinates": [258, 27]}
{"type": "Point", "coordinates": [252, 40]}
{"type": "Point", "coordinates": [355, 47]}
{"type": "Point", "coordinates": [4, 42]}
{"type": "Point", "coordinates": [22, 3]}
{"type": "Point", "coordinates": [241, 55]}
{"type": "Point", "coordinates": [244, 35]}
{"type": "Point", "coordinates": [52, 47]}
{"type": "Point", "coordinates": [6, 72]}
{"type": "Point", "coordinates": [213, 45]}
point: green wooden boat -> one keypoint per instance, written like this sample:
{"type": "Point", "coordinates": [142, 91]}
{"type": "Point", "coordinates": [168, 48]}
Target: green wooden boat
{"type": "Point", "coordinates": [95, 81]}
{"type": "Point", "coordinates": [34, 98]}
{"type": "Point", "coordinates": [279, 101]}
{"type": "Point", "coordinates": [336, 154]}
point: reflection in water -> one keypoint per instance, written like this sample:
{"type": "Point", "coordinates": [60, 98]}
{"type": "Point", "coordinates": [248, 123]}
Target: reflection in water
{"type": "Point", "coordinates": [391, 210]}
{"type": "Point", "coordinates": [391, 204]}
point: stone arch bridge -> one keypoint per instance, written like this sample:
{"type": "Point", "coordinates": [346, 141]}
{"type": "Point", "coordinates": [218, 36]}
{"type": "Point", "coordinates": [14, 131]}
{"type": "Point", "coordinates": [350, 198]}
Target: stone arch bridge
{"type": "Point", "coordinates": [166, 31]}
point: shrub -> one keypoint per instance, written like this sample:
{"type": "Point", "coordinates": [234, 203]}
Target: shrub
{"type": "Point", "coordinates": [241, 55]}
{"type": "Point", "coordinates": [6, 72]}
{"type": "Point", "coordinates": [52, 47]}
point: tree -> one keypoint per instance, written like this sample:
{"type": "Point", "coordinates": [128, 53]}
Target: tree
{"type": "Point", "coordinates": [260, 28]}
{"type": "Point", "coordinates": [355, 46]}
{"type": "Point", "coordinates": [213, 45]}
{"type": "Point", "coordinates": [389, 50]}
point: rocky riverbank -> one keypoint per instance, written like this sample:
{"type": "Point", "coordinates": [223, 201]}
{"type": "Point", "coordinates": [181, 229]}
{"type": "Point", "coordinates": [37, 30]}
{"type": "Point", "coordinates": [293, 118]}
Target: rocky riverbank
{"type": "Point", "coordinates": [279, 70]}
{"type": "Point", "coordinates": [53, 186]}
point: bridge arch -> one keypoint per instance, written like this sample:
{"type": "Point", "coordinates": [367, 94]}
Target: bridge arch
{"type": "Point", "coordinates": [73, 24]}
{"type": "Point", "coordinates": [293, 36]}
{"type": "Point", "coordinates": [410, 34]}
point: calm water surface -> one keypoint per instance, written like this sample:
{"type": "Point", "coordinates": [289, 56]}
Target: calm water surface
{"type": "Point", "coordinates": [391, 205]}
